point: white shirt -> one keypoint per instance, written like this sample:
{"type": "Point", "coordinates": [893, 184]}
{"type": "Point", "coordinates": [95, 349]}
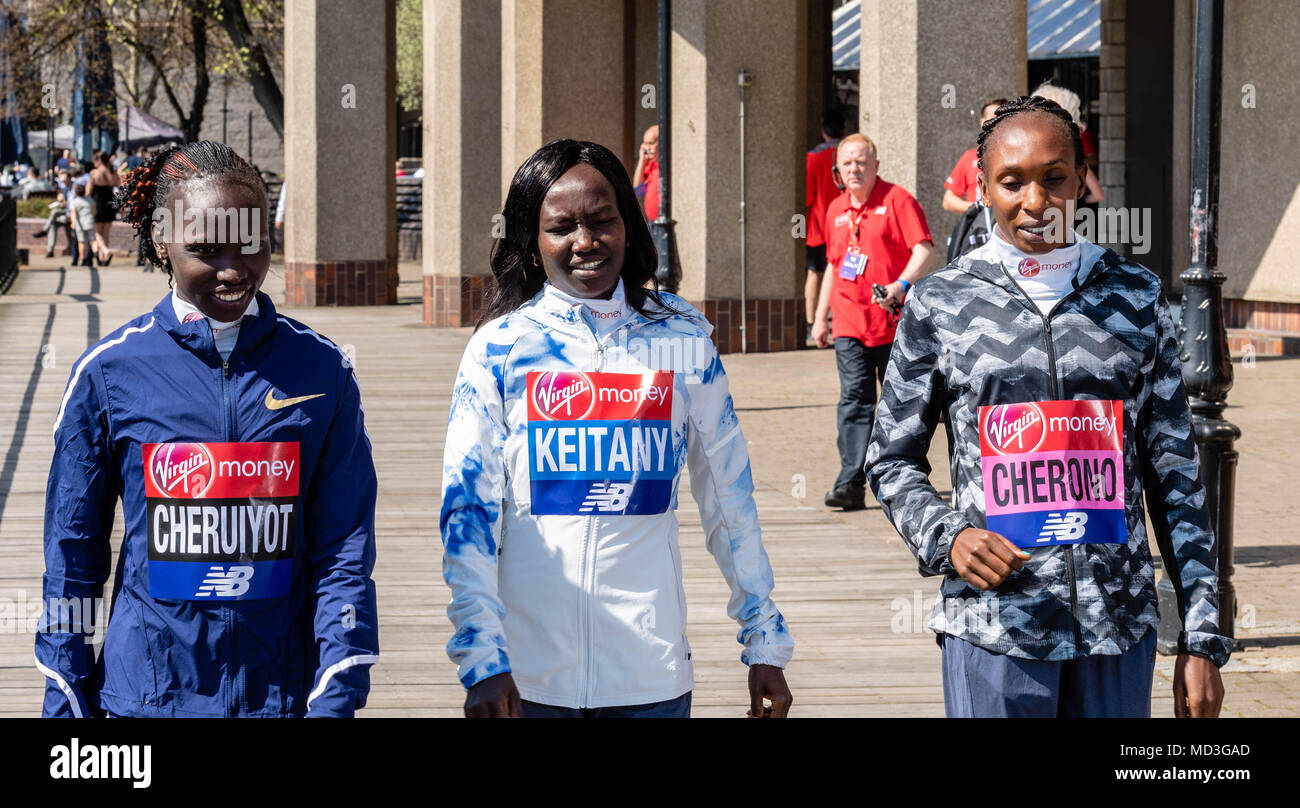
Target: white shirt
{"type": "Point", "coordinates": [225, 334]}
{"type": "Point", "coordinates": [607, 314]}
{"type": "Point", "coordinates": [1045, 278]}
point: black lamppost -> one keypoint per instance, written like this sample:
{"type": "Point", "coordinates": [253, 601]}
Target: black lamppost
{"type": "Point", "coordinates": [1207, 365]}
{"type": "Point", "coordinates": [669, 273]}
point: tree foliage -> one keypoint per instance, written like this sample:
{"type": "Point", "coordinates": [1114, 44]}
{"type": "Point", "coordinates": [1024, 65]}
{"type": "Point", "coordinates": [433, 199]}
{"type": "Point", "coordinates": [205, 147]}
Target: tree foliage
{"type": "Point", "coordinates": [410, 54]}
{"type": "Point", "coordinates": [175, 49]}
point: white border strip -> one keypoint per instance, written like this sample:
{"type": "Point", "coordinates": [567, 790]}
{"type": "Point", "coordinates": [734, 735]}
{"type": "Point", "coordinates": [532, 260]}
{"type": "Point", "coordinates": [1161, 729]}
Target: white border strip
{"type": "Point", "coordinates": [339, 667]}
{"type": "Point", "coordinates": [76, 375]}
{"type": "Point", "coordinates": [73, 701]}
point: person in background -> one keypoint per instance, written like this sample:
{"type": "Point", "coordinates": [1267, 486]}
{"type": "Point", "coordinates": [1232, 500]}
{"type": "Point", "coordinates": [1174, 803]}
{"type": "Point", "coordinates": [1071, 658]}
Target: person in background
{"type": "Point", "coordinates": [876, 235]}
{"type": "Point", "coordinates": [960, 190]}
{"type": "Point", "coordinates": [31, 180]}
{"type": "Point", "coordinates": [1071, 103]}
{"type": "Point", "coordinates": [646, 175]}
{"type": "Point", "coordinates": [60, 218]}
{"type": "Point", "coordinates": [103, 180]}
{"type": "Point", "coordinates": [65, 160]}
{"type": "Point", "coordinates": [83, 223]}
{"type": "Point", "coordinates": [133, 162]}
{"type": "Point", "coordinates": [820, 189]}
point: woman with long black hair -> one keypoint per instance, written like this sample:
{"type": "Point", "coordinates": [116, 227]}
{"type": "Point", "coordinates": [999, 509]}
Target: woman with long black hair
{"type": "Point", "coordinates": [580, 397]}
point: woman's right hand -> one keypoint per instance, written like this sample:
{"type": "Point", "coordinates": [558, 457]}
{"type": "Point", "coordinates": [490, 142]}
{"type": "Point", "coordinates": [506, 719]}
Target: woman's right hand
{"type": "Point", "coordinates": [494, 697]}
{"type": "Point", "coordinates": [985, 559]}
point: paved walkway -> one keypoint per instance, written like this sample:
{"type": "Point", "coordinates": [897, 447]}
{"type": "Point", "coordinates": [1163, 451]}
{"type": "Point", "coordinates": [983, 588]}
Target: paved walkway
{"type": "Point", "coordinates": [846, 583]}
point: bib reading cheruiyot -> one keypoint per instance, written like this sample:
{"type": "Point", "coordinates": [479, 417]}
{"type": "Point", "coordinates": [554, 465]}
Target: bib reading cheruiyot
{"type": "Point", "coordinates": [221, 519]}
{"type": "Point", "coordinates": [1054, 471]}
{"type": "Point", "coordinates": [600, 442]}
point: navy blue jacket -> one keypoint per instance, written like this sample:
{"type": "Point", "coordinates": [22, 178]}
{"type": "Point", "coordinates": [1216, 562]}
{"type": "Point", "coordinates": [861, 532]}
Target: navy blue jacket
{"type": "Point", "coordinates": [242, 586]}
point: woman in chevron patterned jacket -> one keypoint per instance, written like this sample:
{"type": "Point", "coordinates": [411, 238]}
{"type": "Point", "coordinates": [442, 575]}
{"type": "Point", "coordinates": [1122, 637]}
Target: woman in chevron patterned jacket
{"type": "Point", "coordinates": [1056, 363]}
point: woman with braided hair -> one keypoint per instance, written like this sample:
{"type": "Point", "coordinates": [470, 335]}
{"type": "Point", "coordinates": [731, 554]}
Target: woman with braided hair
{"type": "Point", "coordinates": [1056, 363]}
{"type": "Point", "coordinates": [234, 437]}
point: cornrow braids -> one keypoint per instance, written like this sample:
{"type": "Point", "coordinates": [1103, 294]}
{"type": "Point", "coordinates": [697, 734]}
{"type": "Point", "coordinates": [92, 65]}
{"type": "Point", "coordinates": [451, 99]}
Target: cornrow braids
{"type": "Point", "coordinates": [150, 185]}
{"type": "Point", "coordinates": [1031, 103]}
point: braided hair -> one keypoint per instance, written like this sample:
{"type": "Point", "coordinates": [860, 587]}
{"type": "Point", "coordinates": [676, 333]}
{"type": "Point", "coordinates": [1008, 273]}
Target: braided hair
{"type": "Point", "coordinates": [1031, 103]}
{"type": "Point", "coordinates": [150, 185]}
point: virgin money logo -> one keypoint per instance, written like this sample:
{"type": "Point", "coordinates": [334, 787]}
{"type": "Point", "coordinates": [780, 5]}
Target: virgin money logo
{"type": "Point", "coordinates": [564, 394]}
{"type": "Point", "coordinates": [1015, 428]}
{"type": "Point", "coordinates": [182, 470]}
{"type": "Point", "coordinates": [1028, 267]}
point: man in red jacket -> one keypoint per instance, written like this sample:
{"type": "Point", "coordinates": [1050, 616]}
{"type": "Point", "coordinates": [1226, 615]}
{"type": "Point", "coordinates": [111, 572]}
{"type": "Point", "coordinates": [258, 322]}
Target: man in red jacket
{"type": "Point", "coordinates": [820, 190]}
{"type": "Point", "coordinates": [876, 234]}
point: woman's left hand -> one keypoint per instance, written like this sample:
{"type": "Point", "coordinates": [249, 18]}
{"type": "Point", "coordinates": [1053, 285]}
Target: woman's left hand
{"type": "Point", "coordinates": [768, 682]}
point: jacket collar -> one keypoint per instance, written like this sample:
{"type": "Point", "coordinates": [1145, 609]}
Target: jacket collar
{"type": "Point", "coordinates": [197, 335]}
{"type": "Point", "coordinates": [548, 310]}
{"type": "Point", "coordinates": [1097, 258]}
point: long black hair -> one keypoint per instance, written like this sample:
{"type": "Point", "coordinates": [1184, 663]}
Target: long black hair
{"type": "Point", "coordinates": [517, 278]}
{"type": "Point", "coordinates": [153, 180]}
{"type": "Point", "coordinates": [1032, 103]}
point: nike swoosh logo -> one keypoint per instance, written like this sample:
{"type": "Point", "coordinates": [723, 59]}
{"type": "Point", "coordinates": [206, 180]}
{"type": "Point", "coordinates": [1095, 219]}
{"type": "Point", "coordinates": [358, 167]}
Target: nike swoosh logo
{"type": "Point", "coordinates": [273, 403]}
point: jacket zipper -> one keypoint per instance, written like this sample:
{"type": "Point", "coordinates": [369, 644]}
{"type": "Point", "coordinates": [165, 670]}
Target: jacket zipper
{"type": "Point", "coordinates": [588, 650]}
{"type": "Point", "coordinates": [232, 619]}
{"type": "Point", "coordinates": [1056, 395]}
{"type": "Point", "coordinates": [1070, 548]}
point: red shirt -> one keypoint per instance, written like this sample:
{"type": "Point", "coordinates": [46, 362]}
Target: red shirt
{"type": "Point", "coordinates": [820, 190]}
{"type": "Point", "coordinates": [889, 224]}
{"type": "Point", "coordinates": [652, 190]}
{"type": "Point", "coordinates": [962, 180]}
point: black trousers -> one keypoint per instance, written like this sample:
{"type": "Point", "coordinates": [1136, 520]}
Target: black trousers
{"type": "Point", "coordinates": [860, 368]}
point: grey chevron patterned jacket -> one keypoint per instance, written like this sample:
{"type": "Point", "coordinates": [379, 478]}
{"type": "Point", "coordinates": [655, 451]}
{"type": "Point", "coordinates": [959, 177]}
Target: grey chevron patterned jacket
{"type": "Point", "coordinates": [970, 337]}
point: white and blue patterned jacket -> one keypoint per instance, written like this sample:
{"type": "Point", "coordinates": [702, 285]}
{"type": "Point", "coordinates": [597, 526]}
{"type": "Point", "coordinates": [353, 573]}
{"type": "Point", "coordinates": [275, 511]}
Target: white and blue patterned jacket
{"type": "Point", "coordinates": [560, 532]}
{"type": "Point", "coordinates": [970, 337]}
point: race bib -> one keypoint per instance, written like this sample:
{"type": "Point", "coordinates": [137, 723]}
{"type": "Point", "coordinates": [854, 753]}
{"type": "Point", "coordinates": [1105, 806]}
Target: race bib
{"type": "Point", "coordinates": [853, 265]}
{"type": "Point", "coordinates": [1054, 471]}
{"type": "Point", "coordinates": [600, 443]}
{"type": "Point", "coordinates": [221, 519]}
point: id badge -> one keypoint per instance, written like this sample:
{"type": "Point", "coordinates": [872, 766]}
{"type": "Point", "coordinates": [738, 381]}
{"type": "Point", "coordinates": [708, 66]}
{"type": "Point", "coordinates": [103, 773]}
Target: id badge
{"type": "Point", "coordinates": [854, 264]}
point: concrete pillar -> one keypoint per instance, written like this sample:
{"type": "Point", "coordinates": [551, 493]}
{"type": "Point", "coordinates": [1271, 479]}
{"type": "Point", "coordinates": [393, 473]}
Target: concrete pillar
{"type": "Point", "coordinates": [340, 148]}
{"type": "Point", "coordinates": [711, 43]}
{"type": "Point", "coordinates": [923, 80]}
{"type": "Point", "coordinates": [564, 73]}
{"type": "Point", "coordinates": [462, 148]}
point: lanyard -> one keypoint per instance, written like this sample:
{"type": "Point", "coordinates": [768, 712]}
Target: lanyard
{"type": "Point", "coordinates": [855, 224]}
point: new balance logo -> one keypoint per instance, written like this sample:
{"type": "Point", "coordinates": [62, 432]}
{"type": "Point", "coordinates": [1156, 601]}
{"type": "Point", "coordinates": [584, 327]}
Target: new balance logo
{"type": "Point", "coordinates": [606, 497]}
{"type": "Point", "coordinates": [1063, 527]}
{"type": "Point", "coordinates": [225, 583]}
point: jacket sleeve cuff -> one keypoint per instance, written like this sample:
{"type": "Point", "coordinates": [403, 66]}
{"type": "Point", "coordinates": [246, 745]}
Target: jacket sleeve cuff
{"type": "Point", "coordinates": [1213, 647]}
{"type": "Point", "coordinates": [943, 555]}
{"type": "Point", "coordinates": [769, 645]}
{"type": "Point", "coordinates": [492, 664]}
